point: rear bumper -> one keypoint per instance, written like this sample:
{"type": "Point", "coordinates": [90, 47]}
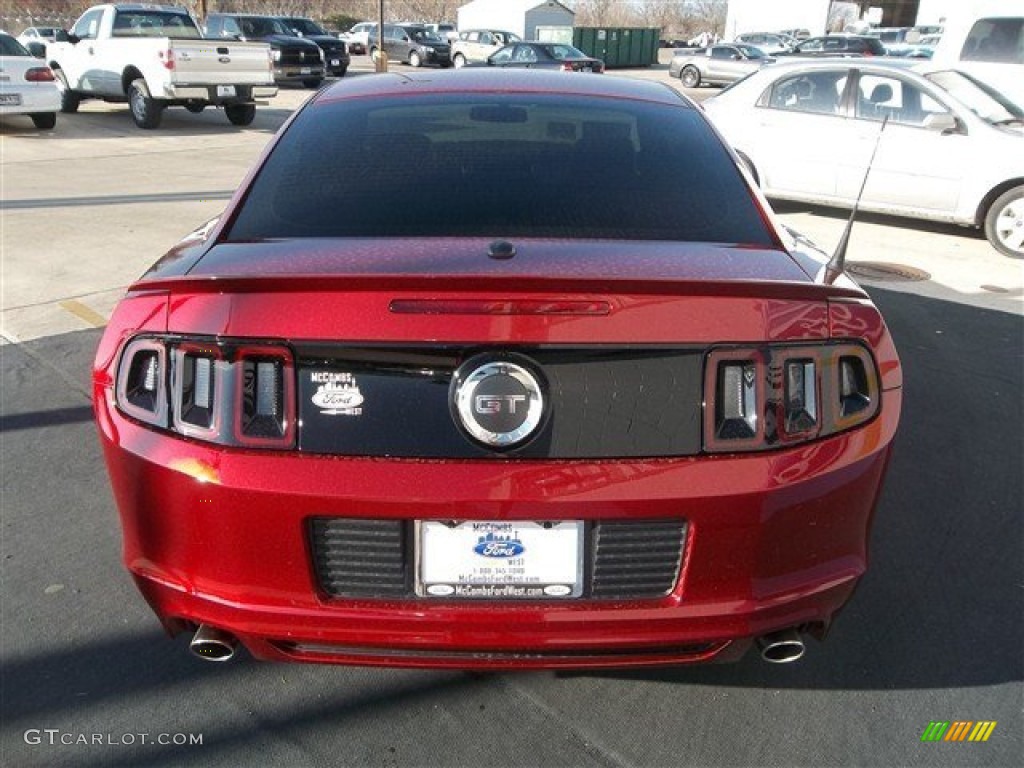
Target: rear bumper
{"type": "Point", "coordinates": [32, 101]}
{"type": "Point", "coordinates": [212, 94]}
{"type": "Point", "coordinates": [297, 74]}
{"type": "Point", "coordinates": [219, 537]}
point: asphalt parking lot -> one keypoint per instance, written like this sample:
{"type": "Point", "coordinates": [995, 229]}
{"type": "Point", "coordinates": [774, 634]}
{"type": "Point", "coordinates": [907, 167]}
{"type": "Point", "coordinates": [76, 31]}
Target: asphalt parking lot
{"type": "Point", "coordinates": [935, 632]}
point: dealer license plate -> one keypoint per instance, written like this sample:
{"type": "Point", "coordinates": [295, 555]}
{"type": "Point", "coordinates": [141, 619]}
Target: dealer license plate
{"type": "Point", "coordinates": [500, 560]}
{"type": "Point", "coordinates": [225, 91]}
{"type": "Point", "coordinates": [10, 99]}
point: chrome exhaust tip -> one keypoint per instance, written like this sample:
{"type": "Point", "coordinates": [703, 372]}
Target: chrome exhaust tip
{"type": "Point", "coordinates": [781, 647]}
{"type": "Point", "coordinates": [212, 644]}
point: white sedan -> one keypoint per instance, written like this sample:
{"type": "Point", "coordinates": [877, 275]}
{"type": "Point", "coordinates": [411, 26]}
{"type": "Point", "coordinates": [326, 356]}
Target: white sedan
{"type": "Point", "coordinates": [951, 150]}
{"type": "Point", "coordinates": [27, 86]}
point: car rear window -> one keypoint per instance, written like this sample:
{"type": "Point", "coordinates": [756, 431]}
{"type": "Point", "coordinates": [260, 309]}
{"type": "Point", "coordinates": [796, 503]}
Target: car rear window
{"type": "Point", "coordinates": [11, 47]}
{"type": "Point", "coordinates": [438, 165]}
{"type": "Point", "coordinates": [995, 40]}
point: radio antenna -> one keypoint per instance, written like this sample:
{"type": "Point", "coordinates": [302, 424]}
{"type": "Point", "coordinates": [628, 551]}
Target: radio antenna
{"type": "Point", "coordinates": [837, 264]}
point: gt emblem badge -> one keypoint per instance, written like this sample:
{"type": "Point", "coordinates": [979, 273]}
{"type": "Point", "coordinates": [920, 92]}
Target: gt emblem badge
{"type": "Point", "coordinates": [499, 403]}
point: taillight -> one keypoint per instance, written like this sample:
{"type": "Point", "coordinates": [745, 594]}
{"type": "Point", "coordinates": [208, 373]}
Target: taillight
{"type": "Point", "coordinates": [758, 398]}
{"type": "Point", "coordinates": [167, 58]}
{"type": "Point", "coordinates": [39, 75]}
{"type": "Point", "coordinates": [221, 392]}
{"type": "Point", "coordinates": [266, 412]}
{"type": "Point", "coordinates": [566, 66]}
{"type": "Point", "coordinates": [142, 382]}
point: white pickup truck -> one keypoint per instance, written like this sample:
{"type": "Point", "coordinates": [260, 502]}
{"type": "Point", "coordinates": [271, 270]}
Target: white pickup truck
{"type": "Point", "coordinates": [153, 57]}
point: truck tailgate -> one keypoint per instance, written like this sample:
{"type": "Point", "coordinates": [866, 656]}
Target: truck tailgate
{"type": "Point", "coordinates": [215, 62]}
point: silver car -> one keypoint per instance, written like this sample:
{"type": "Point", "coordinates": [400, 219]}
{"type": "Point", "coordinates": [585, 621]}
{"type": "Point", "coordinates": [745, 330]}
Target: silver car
{"type": "Point", "coordinates": [716, 64]}
{"type": "Point", "coordinates": [476, 45]}
{"type": "Point", "coordinates": [949, 149]}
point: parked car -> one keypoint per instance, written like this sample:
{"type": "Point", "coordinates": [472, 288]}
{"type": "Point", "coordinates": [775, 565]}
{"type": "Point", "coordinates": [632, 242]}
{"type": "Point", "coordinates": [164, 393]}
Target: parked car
{"type": "Point", "coordinates": [444, 30]}
{"type": "Point", "coordinates": [587, 415]}
{"type": "Point", "coordinates": [154, 57]}
{"type": "Point", "coordinates": [412, 44]}
{"type": "Point", "coordinates": [768, 42]}
{"type": "Point", "coordinates": [27, 86]}
{"type": "Point", "coordinates": [36, 38]}
{"type": "Point", "coordinates": [295, 60]}
{"type": "Point", "coordinates": [475, 45]}
{"type": "Point", "coordinates": [924, 48]}
{"type": "Point", "coordinates": [799, 34]}
{"type": "Point", "coordinates": [39, 34]}
{"type": "Point", "coordinates": [837, 45]}
{"type": "Point", "coordinates": [358, 37]}
{"type": "Point", "coordinates": [334, 51]}
{"type": "Point", "coordinates": [717, 65]}
{"type": "Point", "coordinates": [985, 39]}
{"type": "Point", "coordinates": [950, 150]}
{"type": "Point", "coordinates": [530, 55]}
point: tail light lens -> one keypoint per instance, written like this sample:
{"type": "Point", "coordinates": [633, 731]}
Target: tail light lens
{"type": "Point", "coordinates": [219, 392]}
{"type": "Point", "coordinates": [761, 398]}
{"type": "Point", "coordinates": [39, 75]}
{"type": "Point", "coordinates": [266, 412]}
{"type": "Point", "coordinates": [142, 382]}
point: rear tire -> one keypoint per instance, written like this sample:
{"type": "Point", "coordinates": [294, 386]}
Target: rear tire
{"type": "Point", "coordinates": [414, 59]}
{"type": "Point", "coordinates": [240, 114]}
{"type": "Point", "coordinates": [459, 61]}
{"type": "Point", "coordinates": [69, 100]}
{"type": "Point", "coordinates": [44, 121]}
{"type": "Point", "coordinates": [690, 76]}
{"type": "Point", "coordinates": [146, 111]}
{"type": "Point", "coordinates": [1004, 223]}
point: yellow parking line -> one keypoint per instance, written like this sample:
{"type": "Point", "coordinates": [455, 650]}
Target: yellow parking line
{"type": "Point", "coordinates": [84, 313]}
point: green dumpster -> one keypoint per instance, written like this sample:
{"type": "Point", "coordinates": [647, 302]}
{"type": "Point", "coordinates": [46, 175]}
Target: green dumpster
{"type": "Point", "coordinates": [619, 46]}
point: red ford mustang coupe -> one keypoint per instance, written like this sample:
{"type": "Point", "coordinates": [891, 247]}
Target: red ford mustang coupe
{"type": "Point", "coordinates": [496, 370]}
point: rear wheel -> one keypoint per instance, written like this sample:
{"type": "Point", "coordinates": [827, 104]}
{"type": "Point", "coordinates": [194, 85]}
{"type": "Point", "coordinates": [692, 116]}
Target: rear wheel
{"type": "Point", "coordinates": [414, 59]}
{"type": "Point", "coordinates": [1004, 223]}
{"type": "Point", "coordinates": [459, 60]}
{"type": "Point", "coordinates": [690, 76]}
{"type": "Point", "coordinates": [240, 114]}
{"type": "Point", "coordinates": [69, 100]}
{"type": "Point", "coordinates": [146, 111]}
{"type": "Point", "coordinates": [44, 121]}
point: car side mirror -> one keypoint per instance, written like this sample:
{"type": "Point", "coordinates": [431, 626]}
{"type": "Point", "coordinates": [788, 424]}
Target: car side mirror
{"type": "Point", "coordinates": [941, 122]}
{"type": "Point", "coordinates": [37, 49]}
{"type": "Point", "coordinates": [74, 39]}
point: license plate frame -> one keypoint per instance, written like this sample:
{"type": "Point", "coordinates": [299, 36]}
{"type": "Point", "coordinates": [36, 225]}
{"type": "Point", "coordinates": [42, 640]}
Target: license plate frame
{"type": "Point", "coordinates": [499, 560]}
{"type": "Point", "coordinates": [226, 91]}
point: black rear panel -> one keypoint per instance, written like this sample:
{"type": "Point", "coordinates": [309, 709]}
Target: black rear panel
{"type": "Point", "coordinates": [600, 403]}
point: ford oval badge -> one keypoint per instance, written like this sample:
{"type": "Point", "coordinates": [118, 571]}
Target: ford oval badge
{"type": "Point", "coordinates": [499, 546]}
